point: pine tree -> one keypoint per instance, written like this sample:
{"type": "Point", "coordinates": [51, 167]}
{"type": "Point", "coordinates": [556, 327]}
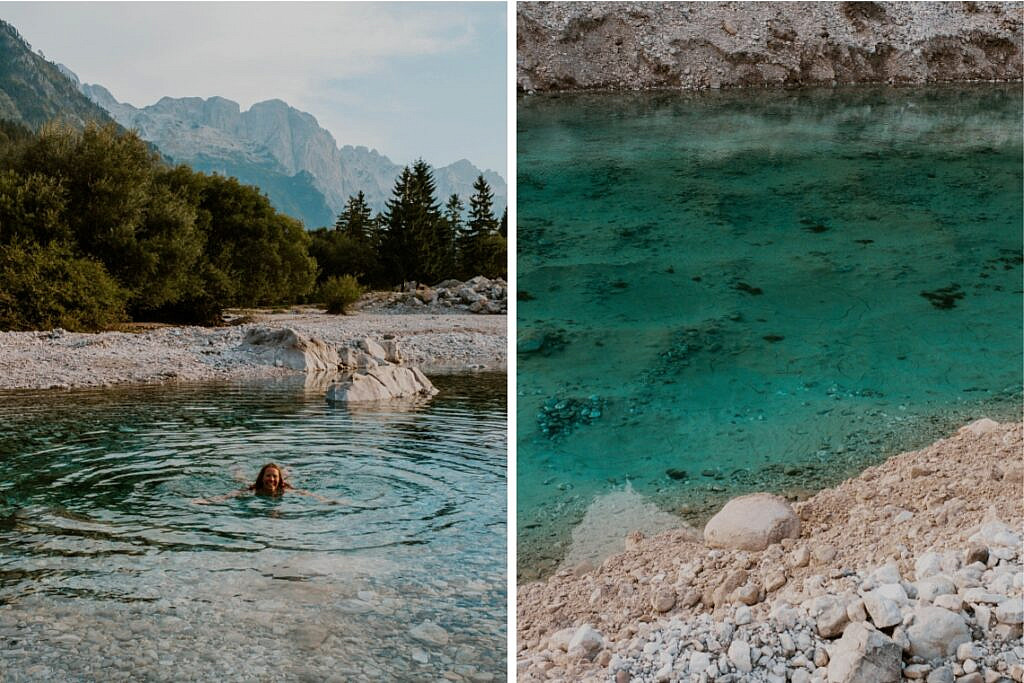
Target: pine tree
{"type": "Point", "coordinates": [433, 245]}
{"type": "Point", "coordinates": [356, 219]}
{"type": "Point", "coordinates": [481, 225]}
{"type": "Point", "coordinates": [415, 244]}
{"type": "Point", "coordinates": [456, 226]}
{"type": "Point", "coordinates": [503, 224]}
{"type": "Point", "coordinates": [396, 237]}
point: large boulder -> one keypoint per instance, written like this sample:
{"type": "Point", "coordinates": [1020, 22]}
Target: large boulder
{"type": "Point", "coordinates": [937, 633]}
{"type": "Point", "coordinates": [382, 383]}
{"type": "Point", "coordinates": [287, 348]}
{"type": "Point", "coordinates": [752, 522]}
{"type": "Point", "coordinates": [864, 655]}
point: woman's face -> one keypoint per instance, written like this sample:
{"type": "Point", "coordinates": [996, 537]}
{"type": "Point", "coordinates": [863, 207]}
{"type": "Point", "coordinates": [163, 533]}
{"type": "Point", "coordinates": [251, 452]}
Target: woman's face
{"type": "Point", "coordinates": [271, 479]}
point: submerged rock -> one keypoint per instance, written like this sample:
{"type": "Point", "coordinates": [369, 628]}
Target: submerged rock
{"type": "Point", "coordinates": [561, 415]}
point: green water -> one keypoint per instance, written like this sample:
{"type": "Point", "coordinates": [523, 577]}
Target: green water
{"type": "Point", "coordinates": [109, 570]}
{"type": "Point", "coordinates": [728, 292]}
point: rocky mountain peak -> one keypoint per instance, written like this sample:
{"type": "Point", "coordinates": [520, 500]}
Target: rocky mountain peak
{"type": "Point", "coordinates": [282, 150]}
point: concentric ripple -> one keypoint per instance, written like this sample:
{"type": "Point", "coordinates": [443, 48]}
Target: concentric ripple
{"type": "Point", "coordinates": [99, 509]}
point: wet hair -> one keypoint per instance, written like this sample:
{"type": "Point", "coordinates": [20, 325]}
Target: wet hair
{"type": "Point", "coordinates": [282, 484]}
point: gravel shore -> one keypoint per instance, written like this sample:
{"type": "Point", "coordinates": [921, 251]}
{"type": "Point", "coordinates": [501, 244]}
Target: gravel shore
{"type": "Point", "coordinates": [710, 45]}
{"type": "Point", "coordinates": [437, 343]}
{"type": "Point", "coordinates": [926, 544]}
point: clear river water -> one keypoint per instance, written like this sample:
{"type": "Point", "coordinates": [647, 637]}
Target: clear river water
{"type": "Point", "coordinates": [736, 291]}
{"type": "Point", "coordinates": [110, 571]}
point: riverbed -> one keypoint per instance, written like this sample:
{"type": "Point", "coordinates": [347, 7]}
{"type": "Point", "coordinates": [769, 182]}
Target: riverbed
{"type": "Point", "coordinates": [723, 292]}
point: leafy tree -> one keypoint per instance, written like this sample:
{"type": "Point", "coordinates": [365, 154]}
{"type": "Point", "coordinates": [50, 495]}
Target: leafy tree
{"type": "Point", "coordinates": [106, 176]}
{"type": "Point", "coordinates": [32, 209]}
{"type": "Point", "coordinates": [338, 254]}
{"type": "Point", "coordinates": [98, 207]}
{"type": "Point", "coordinates": [47, 286]}
{"type": "Point", "coordinates": [263, 254]}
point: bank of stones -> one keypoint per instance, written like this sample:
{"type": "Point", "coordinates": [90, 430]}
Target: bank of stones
{"type": "Point", "coordinates": [911, 571]}
{"type": "Point", "coordinates": [477, 295]}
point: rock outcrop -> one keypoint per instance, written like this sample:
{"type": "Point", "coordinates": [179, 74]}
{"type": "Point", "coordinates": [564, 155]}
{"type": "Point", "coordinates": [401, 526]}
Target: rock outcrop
{"type": "Point", "coordinates": [286, 348]}
{"type": "Point", "coordinates": [698, 45]}
{"type": "Point", "coordinates": [382, 383]}
{"type": "Point", "coordinates": [374, 372]}
{"type": "Point", "coordinates": [752, 522]}
{"type": "Point", "coordinates": [365, 371]}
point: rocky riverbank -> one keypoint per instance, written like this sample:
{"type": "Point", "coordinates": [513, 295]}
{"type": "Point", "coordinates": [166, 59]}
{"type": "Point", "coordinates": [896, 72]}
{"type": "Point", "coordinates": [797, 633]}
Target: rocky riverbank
{"type": "Point", "coordinates": [910, 571]}
{"type": "Point", "coordinates": [433, 341]}
{"type": "Point", "coordinates": [700, 45]}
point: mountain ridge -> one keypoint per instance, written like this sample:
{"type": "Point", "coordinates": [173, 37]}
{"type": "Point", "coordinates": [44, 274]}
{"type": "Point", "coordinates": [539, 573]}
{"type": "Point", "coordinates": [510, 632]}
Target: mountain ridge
{"type": "Point", "coordinates": [34, 91]}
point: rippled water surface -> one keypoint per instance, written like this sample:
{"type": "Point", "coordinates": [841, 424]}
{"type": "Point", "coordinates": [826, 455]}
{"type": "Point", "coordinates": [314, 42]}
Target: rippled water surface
{"type": "Point", "coordinates": [735, 291]}
{"type": "Point", "coordinates": [110, 570]}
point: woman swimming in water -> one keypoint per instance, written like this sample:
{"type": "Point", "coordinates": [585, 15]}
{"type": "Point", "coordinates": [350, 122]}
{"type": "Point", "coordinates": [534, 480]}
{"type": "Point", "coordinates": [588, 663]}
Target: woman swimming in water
{"type": "Point", "coordinates": [269, 482]}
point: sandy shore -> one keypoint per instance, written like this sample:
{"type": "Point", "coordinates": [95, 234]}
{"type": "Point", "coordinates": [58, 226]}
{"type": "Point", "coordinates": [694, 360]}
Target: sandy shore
{"type": "Point", "coordinates": [658, 617]}
{"type": "Point", "coordinates": [436, 343]}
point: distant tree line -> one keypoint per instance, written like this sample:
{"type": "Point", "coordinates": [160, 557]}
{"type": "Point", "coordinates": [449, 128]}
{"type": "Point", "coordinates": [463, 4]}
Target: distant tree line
{"type": "Point", "coordinates": [414, 238]}
{"type": "Point", "coordinates": [95, 229]}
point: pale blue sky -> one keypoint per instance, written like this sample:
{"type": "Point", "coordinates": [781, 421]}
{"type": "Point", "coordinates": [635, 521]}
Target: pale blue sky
{"type": "Point", "coordinates": [415, 79]}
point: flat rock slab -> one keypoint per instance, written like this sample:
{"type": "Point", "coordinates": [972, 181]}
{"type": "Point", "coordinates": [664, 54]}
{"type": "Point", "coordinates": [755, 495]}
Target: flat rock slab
{"type": "Point", "coordinates": [752, 522]}
{"type": "Point", "coordinates": [382, 383]}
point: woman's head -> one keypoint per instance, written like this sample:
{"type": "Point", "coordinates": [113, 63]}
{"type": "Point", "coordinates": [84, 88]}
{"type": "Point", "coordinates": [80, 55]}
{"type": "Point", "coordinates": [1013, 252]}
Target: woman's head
{"type": "Point", "coordinates": [270, 480]}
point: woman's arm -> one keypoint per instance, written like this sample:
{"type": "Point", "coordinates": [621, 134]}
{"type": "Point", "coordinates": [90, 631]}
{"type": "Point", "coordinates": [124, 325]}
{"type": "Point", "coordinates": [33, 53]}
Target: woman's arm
{"type": "Point", "coordinates": [220, 499]}
{"type": "Point", "coordinates": [310, 494]}
{"type": "Point", "coordinates": [331, 501]}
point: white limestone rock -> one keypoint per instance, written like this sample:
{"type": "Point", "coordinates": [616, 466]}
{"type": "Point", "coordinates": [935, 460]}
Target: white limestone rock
{"type": "Point", "coordinates": [752, 522]}
{"type": "Point", "coordinates": [981, 427]}
{"type": "Point", "coordinates": [739, 655]}
{"type": "Point", "coordinates": [883, 611]}
{"type": "Point", "coordinates": [864, 655]}
{"type": "Point", "coordinates": [936, 633]}
{"type": "Point", "coordinates": [585, 641]}
{"type": "Point", "coordinates": [382, 383]}
{"type": "Point", "coordinates": [371, 347]}
{"type": "Point", "coordinates": [932, 587]}
{"type": "Point", "coordinates": [1010, 611]}
{"type": "Point", "coordinates": [288, 349]}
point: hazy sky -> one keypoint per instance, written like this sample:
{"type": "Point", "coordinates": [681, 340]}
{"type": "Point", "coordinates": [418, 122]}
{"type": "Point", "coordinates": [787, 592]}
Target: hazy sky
{"type": "Point", "coordinates": [419, 79]}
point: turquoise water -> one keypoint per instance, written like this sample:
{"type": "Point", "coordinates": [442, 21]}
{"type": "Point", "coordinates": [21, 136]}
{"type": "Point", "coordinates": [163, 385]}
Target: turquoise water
{"type": "Point", "coordinates": [728, 292]}
{"type": "Point", "coordinates": [109, 570]}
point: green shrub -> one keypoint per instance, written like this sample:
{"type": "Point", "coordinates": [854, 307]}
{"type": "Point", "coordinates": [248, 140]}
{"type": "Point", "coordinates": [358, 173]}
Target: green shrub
{"type": "Point", "coordinates": [338, 293]}
{"type": "Point", "coordinates": [47, 286]}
